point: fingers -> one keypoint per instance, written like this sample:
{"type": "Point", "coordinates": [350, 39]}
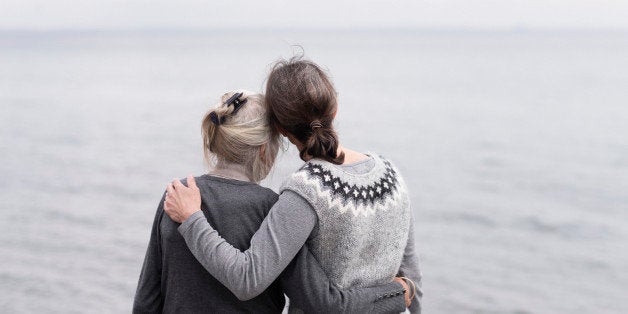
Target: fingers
{"type": "Point", "coordinates": [191, 182]}
{"type": "Point", "coordinates": [406, 288]}
{"type": "Point", "coordinates": [168, 208]}
{"type": "Point", "coordinates": [177, 184]}
{"type": "Point", "coordinates": [168, 204]}
{"type": "Point", "coordinates": [168, 200]}
{"type": "Point", "coordinates": [178, 196]}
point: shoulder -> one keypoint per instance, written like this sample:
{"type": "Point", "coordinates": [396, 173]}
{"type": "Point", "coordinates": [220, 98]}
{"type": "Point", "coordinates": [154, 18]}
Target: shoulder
{"type": "Point", "coordinates": [268, 194]}
{"type": "Point", "coordinates": [299, 178]}
{"type": "Point", "coordinates": [250, 189]}
{"type": "Point", "coordinates": [392, 179]}
{"type": "Point", "coordinates": [388, 165]}
{"type": "Point", "coordinates": [383, 159]}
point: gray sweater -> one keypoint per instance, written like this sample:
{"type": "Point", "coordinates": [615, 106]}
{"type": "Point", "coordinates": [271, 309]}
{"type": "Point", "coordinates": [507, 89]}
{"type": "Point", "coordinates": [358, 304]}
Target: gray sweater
{"type": "Point", "coordinates": [363, 219]}
{"type": "Point", "coordinates": [172, 280]}
{"type": "Point", "coordinates": [283, 232]}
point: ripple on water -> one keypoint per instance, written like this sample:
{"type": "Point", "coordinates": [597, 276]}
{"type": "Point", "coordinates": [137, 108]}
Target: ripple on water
{"type": "Point", "coordinates": [574, 230]}
{"type": "Point", "coordinates": [468, 218]}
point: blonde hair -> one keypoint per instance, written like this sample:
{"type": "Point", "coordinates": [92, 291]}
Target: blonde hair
{"type": "Point", "coordinates": [244, 137]}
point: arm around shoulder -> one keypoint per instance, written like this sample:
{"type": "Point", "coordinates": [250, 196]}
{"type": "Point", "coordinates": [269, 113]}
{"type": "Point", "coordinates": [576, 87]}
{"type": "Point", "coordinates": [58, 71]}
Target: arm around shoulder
{"type": "Point", "coordinates": [247, 274]}
{"type": "Point", "coordinates": [310, 290]}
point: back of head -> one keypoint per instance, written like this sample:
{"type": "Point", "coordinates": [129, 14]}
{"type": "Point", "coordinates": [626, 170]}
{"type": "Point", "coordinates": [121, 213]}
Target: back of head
{"type": "Point", "coordinates": [302, 101]}
{"type": "Point", "coordinates": [241, 136]}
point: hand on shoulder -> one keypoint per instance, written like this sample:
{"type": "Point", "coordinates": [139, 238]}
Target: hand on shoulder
{"type": "Point", "coordinates": [181, 201]}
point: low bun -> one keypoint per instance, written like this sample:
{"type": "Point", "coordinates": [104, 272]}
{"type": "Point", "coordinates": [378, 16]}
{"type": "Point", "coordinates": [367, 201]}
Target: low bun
{"type": "Point", "coordinates": [322, 143]}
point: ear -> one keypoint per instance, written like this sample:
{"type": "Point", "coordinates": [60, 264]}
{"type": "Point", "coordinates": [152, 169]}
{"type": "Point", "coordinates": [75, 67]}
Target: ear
{"type": "Point", "coordinates": [335, 112]}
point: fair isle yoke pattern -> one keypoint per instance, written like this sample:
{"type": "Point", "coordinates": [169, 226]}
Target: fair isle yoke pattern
{"type": "Point", "coordinates": [363, 219]}
{"type": "Point", "coordinates": [360, 198]}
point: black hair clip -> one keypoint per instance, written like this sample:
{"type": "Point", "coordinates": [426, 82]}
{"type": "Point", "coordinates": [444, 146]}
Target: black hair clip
{"type": "Point", "coordinates": [233, 100]}
{"type": "Point", "coordinates": [236, 102]}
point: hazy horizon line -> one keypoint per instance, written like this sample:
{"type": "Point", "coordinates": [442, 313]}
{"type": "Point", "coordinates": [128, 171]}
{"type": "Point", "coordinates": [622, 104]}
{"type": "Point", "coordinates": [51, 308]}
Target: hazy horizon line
{"type": "Point", "coordinates": [518, 29]}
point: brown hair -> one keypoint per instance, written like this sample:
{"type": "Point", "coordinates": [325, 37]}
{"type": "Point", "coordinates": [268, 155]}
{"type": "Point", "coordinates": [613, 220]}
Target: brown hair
{"type": "Point", "coordinates": [240, 136]}
{"type": "Point", "coordinates": [302, 101]}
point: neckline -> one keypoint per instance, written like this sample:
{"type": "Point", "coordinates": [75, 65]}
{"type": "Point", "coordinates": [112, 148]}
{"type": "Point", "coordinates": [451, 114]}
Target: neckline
{"type": "Point", "coordinates": [345, 168]}
{"type": "Point", "coordinates": [212, 177]}
{"type": "Point", "coordinates": [230, 171]}
{"type": "Point", "coordinates": [359, 162]}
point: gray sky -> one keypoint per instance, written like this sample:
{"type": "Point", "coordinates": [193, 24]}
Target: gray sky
{"type": "Point", "coordinates": [462, 14]}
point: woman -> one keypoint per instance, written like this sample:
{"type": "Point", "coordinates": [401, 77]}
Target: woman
{"type": "Point", "coordinates": [241, 150]}
{"type": "Point", "coordinates": [352, 209]}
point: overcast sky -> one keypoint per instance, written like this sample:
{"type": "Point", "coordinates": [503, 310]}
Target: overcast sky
{"type": "Point", "coordinates": [459, 14]}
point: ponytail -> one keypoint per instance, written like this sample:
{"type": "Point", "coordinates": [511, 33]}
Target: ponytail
{"type": "Point", "coordinates": [211, 129]}
{"type": "Point", "coordinates": [322, 143]}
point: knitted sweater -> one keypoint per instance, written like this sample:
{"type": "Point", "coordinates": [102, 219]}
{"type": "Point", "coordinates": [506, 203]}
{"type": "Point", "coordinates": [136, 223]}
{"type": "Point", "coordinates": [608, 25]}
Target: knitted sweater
{"type": "Point", "coordinates": [363, 220]}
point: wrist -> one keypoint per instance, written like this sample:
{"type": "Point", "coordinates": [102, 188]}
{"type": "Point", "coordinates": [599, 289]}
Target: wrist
{"type": "Point", "coordinates": [187, 224]}
{"type": "Point", "coordinates": [188, 213]}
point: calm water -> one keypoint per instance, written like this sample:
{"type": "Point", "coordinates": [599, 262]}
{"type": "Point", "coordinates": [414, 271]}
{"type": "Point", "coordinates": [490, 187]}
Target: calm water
{"type": "Point", "coordinates": [514, 146]}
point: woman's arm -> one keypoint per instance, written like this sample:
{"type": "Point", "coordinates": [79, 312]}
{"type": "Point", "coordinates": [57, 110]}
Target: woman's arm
{"type": "Point", "coordinates": [410, 268]}
{"type": "Point", "coordinates": [310, 290]}
{"type": "Point", "coordinates": [247, 274]}
{"type": "Point", "coordinates": [148, 298]}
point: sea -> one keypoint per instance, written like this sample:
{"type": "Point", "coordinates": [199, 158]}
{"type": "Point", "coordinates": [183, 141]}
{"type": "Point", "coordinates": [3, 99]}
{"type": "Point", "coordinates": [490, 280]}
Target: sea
{"type": "Point", "coordinates": [513, 144]}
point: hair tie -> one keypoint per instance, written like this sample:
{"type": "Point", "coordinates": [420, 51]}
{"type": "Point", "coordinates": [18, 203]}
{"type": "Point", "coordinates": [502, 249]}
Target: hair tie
{"type": "Point", "coordinates": [316, 124]}
{"type": "Point", "coordinates": [214, 117]}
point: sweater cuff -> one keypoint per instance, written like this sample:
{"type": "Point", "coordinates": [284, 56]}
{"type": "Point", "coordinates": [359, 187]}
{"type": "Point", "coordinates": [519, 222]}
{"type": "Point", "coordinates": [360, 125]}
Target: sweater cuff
{"type": "Point", "coordinates": [392, 301]}
{"type": "Point", "coordinates": [188, 223]}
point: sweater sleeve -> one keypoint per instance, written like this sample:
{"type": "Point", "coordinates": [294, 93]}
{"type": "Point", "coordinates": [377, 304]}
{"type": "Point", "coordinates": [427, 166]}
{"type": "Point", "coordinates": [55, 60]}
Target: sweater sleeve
{"type": "Point", "coordinates": [247, 274]}
{"type": "Point", "coordinates": [410, 268]}
{"type": "Point", "coordinates": [148, 298]}
{"type": "Point", "coordinates": [309, 290]}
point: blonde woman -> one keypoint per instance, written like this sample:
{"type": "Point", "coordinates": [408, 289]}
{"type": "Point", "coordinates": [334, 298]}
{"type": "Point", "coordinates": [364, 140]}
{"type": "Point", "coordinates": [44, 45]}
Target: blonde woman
{"type": "Point", "coordinates": [241, 149]}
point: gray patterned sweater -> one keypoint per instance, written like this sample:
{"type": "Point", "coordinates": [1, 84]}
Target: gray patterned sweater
{"type": "Point", "coordinates": [363, 220]}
